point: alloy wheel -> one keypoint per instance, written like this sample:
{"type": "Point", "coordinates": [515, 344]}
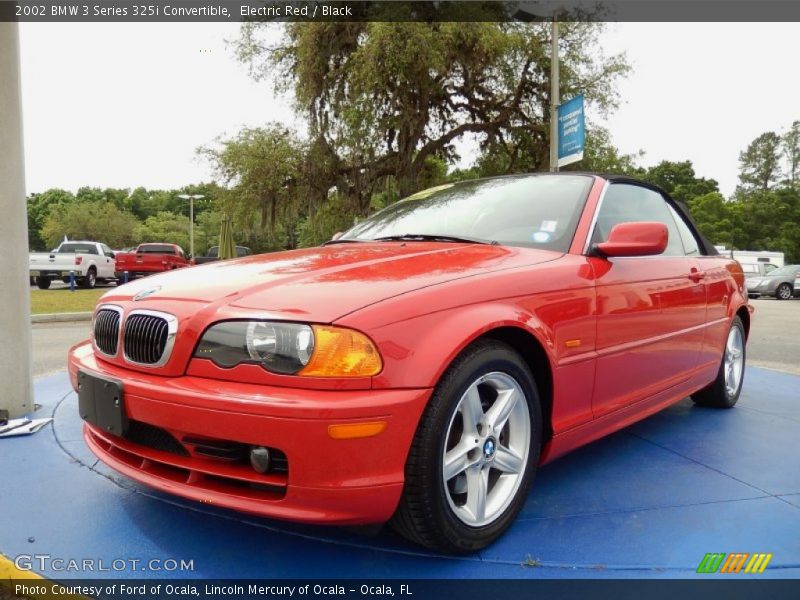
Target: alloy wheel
{"type": "Point", "coordinates": [486, 449]}
{"type": "Point", "coordinates": [734, 361]}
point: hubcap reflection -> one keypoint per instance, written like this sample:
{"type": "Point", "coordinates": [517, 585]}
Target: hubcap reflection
{"type": "Point", "coordinates": [486, 449]}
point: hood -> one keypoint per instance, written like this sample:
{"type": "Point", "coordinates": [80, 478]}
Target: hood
{"type": "Point", "coordinates": [325, 283]}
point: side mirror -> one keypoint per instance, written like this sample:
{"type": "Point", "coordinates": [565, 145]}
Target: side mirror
{"type": "Point", "coordinates": [634, 239]}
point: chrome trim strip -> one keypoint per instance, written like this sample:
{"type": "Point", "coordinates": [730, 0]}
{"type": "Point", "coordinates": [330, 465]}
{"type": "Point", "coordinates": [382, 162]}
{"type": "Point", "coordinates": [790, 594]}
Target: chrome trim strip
{"type": "Point", "coordinates": [119, 310]}
{"type": "Point", "coordinates": [593, 224]}
{"type": "Point", "coordinates": [172, 332]}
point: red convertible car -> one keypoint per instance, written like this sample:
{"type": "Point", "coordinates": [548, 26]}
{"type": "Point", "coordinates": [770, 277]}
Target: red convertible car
{"type": "Point", "coordinates": [419, 368]}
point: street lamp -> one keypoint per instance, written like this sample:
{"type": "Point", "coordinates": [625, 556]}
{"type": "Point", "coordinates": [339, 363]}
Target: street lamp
{"type": "Point", "coordinates": [525, 14]}
{"type": "Point", "coordinates": [191, 198]}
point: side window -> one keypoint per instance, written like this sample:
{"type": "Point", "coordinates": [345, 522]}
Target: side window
{"type": "Point", "coordinates": [625, 203]}
{"type": "Point", "coordinates": [107, 251]}
{"type": "Point", "coordinates": [690, 245]}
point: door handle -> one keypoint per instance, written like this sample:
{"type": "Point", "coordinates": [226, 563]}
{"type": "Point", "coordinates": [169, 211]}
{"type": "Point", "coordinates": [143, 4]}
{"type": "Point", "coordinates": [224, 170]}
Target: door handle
{"type": "Point", "coordinates": [696, 276]}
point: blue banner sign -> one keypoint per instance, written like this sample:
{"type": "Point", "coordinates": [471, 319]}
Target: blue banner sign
{"type": "Point", "coordinates": [571, 131]}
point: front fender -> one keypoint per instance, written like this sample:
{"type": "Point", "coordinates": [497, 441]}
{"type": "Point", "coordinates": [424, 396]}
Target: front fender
{"type": "Point", "coordinates": [417, 351]}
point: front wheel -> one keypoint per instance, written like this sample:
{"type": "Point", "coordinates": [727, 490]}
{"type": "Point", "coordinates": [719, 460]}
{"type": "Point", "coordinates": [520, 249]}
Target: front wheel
{"type": "Point", "coordinates": [784, 292]}
{"type": "Point", "coordinates": [724, 391]}
{"type": "Point", "coordinates": [474, 454]}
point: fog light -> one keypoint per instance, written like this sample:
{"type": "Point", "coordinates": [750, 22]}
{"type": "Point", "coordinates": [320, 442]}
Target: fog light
{"type": "Point", "coordinates": [259, 459]}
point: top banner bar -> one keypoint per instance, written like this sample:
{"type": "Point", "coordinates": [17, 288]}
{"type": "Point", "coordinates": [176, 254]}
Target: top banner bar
{"type": "Point", "coordinates": [131, 11]}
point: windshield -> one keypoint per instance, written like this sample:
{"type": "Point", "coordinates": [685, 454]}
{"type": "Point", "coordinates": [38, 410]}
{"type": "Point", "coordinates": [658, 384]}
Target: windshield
{"type": "Point", "coordinates": [784, 271]}
{"type": "Point", "coordinates": [540, 211]}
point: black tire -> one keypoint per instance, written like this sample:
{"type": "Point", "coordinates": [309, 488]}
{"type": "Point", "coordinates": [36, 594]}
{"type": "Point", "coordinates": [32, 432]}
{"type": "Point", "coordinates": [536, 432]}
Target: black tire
{"type": "Point", "coordinates": [716, 394]}
{"type": "Point", "coordinates": [43, 283]}
{"type": "Point", "coordinates": [424, 514]}
{"type": "Point", "coordinates": [90, 281]}
{"type": "Point", "coordinates": [783, 292]}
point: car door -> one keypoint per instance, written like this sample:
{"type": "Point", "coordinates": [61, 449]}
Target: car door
{"type": "Point", "coordinates": [650, 310]}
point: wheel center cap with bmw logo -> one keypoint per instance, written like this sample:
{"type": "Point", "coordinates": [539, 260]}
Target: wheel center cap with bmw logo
{"type": "Point", "coordinates": [145, 293]}
{"type": "Point", "coordinates": [489, 447]}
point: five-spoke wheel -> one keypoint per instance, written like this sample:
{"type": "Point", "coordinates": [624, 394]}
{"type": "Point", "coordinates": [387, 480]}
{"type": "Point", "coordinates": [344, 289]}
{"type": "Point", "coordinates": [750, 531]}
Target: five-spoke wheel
{"type": "Point", "coordinates": [475, 452]}
{"type": "Point", "coordinates": [487, 448]}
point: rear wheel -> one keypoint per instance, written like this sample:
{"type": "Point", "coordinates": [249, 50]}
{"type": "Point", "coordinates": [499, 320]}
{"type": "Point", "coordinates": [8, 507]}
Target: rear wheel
{"type": "Point", "coordinates": [725, 389]}
{"type": "Point", "coordinates": [784, 292]}
{"type": "Point", "coordinates": [474, 454]}
{"type": "Point", "coordinates": [90, 280]}
{"type": "Point", "coordinates": [43, 283]}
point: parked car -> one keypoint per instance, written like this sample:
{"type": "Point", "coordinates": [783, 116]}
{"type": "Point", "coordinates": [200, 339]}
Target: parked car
{"type": "Point", "coordinates": [757, 269]}
{"type": "Point", "coordinates": [420, 368]}
{"type": "Point", "coordinates": [148, 259]}
{"type": "Point", "coordinates": [781, 283]}
{"type": "Point", "coordinates": [89, 261]}
{"type": "Point", "coordinates": [213, 254]}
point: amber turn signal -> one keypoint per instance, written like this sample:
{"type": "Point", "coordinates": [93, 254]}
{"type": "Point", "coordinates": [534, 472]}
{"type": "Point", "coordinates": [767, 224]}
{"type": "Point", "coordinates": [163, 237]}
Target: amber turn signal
{"type": "Point", "coordinates": [342, 353]}
{"type": "Point", "coordinates": [349, 431]}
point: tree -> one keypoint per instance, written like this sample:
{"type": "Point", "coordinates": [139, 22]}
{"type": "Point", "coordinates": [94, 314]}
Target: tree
{"type": "Point", "coordinates": [39, 206]}
{"type": "Point", "coordinates": [381, 98]}
{"type": "Point", "coordinates": [88, 220]}
{"type": "Point", "coordinates": [791, 151]}
{"type": "Point", "coordinates": [759, 164]}
{"type": "Point", "coordinates": [265, 167]}
{"type": "Point", "coordinates": [169, 227]}
{"type": "Point", "coordinates": [678, 179]}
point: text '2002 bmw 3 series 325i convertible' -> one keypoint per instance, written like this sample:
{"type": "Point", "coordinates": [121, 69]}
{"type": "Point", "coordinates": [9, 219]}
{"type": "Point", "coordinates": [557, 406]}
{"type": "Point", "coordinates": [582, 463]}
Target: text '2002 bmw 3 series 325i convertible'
{"type": "Point", "coordinates": [419, 368]}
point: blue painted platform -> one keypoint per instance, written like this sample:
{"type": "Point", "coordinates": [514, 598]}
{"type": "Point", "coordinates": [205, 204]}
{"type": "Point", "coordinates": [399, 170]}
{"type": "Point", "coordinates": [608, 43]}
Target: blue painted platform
{"type": "Point", "coordinates": [649, 501]}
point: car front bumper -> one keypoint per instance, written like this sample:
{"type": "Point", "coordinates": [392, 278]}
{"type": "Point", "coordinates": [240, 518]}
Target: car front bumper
{"type": "Point", "coordinates": [328, 480]}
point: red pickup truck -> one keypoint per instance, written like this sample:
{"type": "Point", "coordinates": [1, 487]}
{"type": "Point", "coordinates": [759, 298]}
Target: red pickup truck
{"type": "Point", "coordinates": [148, 259]}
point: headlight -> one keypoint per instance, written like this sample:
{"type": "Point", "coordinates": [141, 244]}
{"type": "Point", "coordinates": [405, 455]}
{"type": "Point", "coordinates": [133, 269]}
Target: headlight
{"type": "Point", "coordinates": [291, 348]}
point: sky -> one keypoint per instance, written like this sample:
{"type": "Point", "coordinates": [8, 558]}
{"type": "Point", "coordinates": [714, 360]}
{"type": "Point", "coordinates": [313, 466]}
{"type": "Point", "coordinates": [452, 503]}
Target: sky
{"type": "Point", "coordinates": [126, 105]}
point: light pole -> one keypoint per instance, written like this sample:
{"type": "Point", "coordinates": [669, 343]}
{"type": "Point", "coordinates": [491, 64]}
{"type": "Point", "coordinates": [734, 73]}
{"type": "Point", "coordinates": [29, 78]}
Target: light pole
{"type": "Point", "coordinates": [554, 97]}
{"type": "Point", "coordinates": [191, 198]}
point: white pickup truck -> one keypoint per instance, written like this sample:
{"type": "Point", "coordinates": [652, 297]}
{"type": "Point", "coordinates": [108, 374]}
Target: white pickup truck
{"type": "Point", "coordinates": [90, 261]}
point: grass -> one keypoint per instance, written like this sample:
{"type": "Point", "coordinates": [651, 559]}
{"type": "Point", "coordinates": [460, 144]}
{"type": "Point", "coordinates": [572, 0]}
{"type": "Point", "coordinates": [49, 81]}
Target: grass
{"type": "Point", "coordinates": [63, 301]}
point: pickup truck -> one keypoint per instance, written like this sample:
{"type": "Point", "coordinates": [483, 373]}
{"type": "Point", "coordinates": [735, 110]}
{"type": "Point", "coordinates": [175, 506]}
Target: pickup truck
{"type": "Point", "coordinates": [150, 258]}
{"type": "Point", "coordinates": [90, 261]}
{"type": "Point", "coordinates": [213, 254]}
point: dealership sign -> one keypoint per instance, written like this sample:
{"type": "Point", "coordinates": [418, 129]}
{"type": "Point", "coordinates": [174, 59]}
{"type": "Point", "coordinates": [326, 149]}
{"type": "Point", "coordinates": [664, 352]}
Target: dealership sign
{"type": "Point", "coordinates": [571, 131]}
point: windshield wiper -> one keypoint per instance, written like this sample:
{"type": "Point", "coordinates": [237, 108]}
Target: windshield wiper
{"type": "Point", "coordinates": [423, 237]}
{"type": "Point", "coordinates": [344, 241]}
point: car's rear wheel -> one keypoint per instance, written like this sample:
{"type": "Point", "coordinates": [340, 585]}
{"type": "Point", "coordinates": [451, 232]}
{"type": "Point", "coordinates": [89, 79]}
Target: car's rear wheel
{"type": "Point", "coordinates": [90, 281]}
{"type": "Point", "coordinates": [43, 283]}
{"type": "Point", "coordinates": [474, 454]}
{"type": "Point", "coordinates": [724, 391]}
{"type": "Point", "coordinates": [784, 292]}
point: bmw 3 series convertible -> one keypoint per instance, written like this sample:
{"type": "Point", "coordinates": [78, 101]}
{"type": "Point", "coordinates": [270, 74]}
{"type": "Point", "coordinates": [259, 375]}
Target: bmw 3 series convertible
{"type": "Point", "coordinates": [419, 368]}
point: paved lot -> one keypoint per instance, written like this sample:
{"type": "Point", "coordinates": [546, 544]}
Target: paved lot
{"type": "Point", "coordinates": [775, 336]}
{"type": "Point", "coordinates": [51, 342]}
{"type": "Point", "coordinates": [774, 340]}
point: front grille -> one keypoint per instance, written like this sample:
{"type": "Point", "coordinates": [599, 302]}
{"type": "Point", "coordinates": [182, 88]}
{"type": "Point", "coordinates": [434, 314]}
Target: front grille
{"type": "Point", "coordinates": [146, 337]}
{"type": "Point", "coordinates": [106, 330]}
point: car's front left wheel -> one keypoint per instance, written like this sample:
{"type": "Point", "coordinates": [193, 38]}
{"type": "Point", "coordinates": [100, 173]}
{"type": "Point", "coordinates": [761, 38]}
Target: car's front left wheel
{"type": "Point", "coordinates": [474, 454]}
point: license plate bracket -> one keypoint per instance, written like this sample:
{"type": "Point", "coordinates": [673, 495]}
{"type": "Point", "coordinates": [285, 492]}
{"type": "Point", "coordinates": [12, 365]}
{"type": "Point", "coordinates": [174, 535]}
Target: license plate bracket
{"type": "Point", "coordinates": [101, 402]}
